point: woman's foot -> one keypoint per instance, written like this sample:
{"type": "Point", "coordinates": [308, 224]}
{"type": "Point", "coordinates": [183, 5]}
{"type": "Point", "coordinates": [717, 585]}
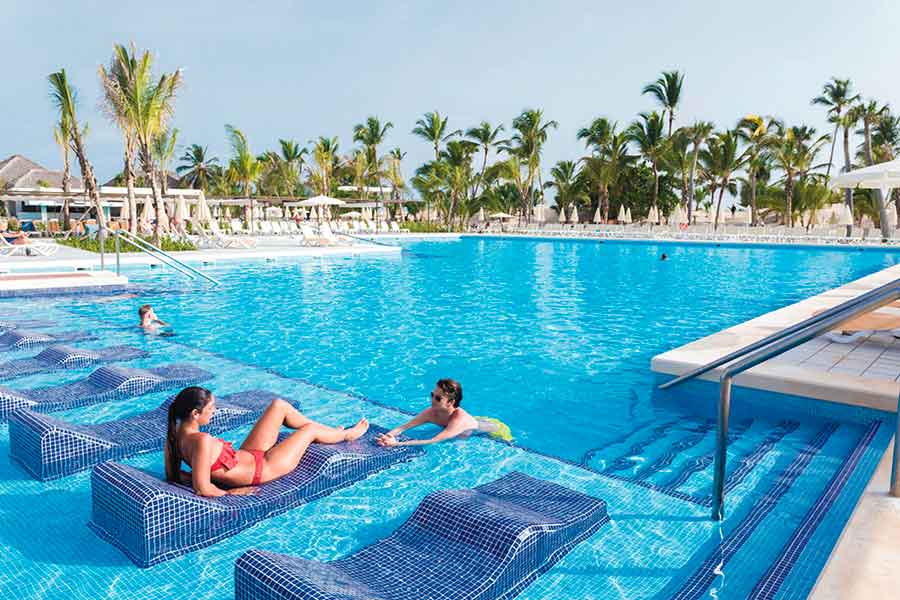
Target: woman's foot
{"type": "Point", "coordinates": [355, 432]}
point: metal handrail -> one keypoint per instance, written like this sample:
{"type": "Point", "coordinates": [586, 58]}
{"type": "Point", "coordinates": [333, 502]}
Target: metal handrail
{"type": "Point", "coordinates": [787, 331]}
{"type": "Point", "coordinates": [845, 312]}
{"type": "Point", "coordinates": [158, 253]}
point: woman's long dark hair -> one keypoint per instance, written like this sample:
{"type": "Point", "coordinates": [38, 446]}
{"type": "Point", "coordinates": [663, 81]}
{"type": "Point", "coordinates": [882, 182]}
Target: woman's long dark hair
{"type": "Point", "coordinates": [189, 399]}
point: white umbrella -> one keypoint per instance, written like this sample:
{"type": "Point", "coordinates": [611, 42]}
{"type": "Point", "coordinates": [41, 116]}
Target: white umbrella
{"type": "Point", "coordinates": [125, 211]}
{"type": "Point", "coordinates": [621, 216]}
{"type": "Point", "coordinates": [627, 215]}
{"type": "Point", "coordinates": [749, 216]}
{"type": "Point", "coordinates": [891, 211]}
{"type": "Point", "coordinates": [501, 215]}
{"type": "Point", "coordinates": [203, 213]}
{"type": "Point", "coordinates": [846, 216]}
{"type": "Point", "coordinates": [353, 214]}
{"type": "Point", "coordinates": [146, 214]}
{"type": "Point", "coordinates": [574, 217]}
{"type": "Point", "coordinates": [539, 214]}
{"type": "Point", "coordinates": [653, 215]}
{"type": "Point", "coordinates": [561, 214]}
{"type": "Point", "coordinates": [321, 200]}
{"type": "Point", "coordinates": [161, 216]}
{"type": "Point", "coordinates": [480, 216]}
{"type": "Point", "coordinates": [597, 216]}
{"type": "Point", "coordinates": [180, 210]}
{"type": "Point", "coordinates": [866, 222]}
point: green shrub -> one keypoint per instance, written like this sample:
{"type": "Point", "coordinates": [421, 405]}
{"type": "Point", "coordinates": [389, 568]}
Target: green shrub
{"type": "Point", "coordinates": [91, 244]}
{"type": "Point", "coordinates": [427, 227]}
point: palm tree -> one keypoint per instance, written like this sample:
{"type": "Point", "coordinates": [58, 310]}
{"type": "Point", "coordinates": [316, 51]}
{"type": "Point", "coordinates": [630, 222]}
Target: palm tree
{"type": "Point", "coordinates": [370, 134]}
{"type": "Point", "coordinates": [609, 157]}
{"type": "Point", "coordinates": [485, 135]}
{"type": "Point", "coordinates": [870, 114]}
{"type": "Point", "coordinates": [432, 128]}
{"type": "Point", "coordinates": [163, 149]}
{"type": "Point", "coordinates": [62, 134]}
{"type": "Point", "coordinates": [793, 151]}
{"type": "Point", "coordinates": [146, 104]}
{"type": "Point", "coordinates": [837, 97]}
{"type": "Point", "coordinates": [722, 160]}
{"type": "Point", "coordinates": [667, 91]}
{"type": "Point", "coordinates": [243, 167]}
{"type": "Point", "coordinates": [754, 131]}
{"type": "Point", "coordinates": [394, 175]}
{"type": "Point", "coordinates": [698, 133]}
{"type": "Point", "coordinates": [196, 169]}
{"type": "Point", "coordinates": [648, 135]}
{"type": "Point", "coordinates": [284, 168]}
{"type": "Point", "coordinates": [65, 99]}
{"type": "Point", "coordinates": [325, 156]}
{"type": "Point", "coordinates": [527, 143]}
{"type": "Point", "coordinates": [568, 182]}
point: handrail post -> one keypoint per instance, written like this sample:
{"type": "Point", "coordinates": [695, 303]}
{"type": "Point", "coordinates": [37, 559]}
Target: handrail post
{"type": "Point", "coordinates": [895, 484]}
{"type": "Point", "coordinates": [101, 236]}
{"type": "Point", "coordinates": [118, 259]}
{"type": "Point", "coordinates": [721, 448]}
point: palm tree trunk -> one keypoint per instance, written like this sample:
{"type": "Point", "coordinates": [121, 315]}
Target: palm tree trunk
{"type": "Point", "coordinates": [848, 193]}
{"type": "Point", "coordinates": [147, 164]}
{"type": "Point", "coordinates": [655, 186]}
{"type": "Point", "coordinates": [129, 185]}
{"type": "Point", "coordinates": [879, 195]}
{"type": "Point", "coordinates": [831, 155]}
{"type": "Point", "coordinates": [718, 208]}
{"type": "Point", "coordinates": [789, 200]}
{"type": "Point", "coordinates": [752, 196]}
{"type": "Point", "coordinates": [690, 202]}
{"type": "Point", "coordinates": [66, 216]}
{"type": "Point", "coordinates": [90, 182]}
{"type": "Point", "coordinates": [604, 202]}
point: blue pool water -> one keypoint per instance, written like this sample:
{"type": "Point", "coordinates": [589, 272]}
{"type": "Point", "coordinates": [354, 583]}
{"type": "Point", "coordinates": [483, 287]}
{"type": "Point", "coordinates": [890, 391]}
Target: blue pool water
{"type": "Point", "coordinates": [552, 337]}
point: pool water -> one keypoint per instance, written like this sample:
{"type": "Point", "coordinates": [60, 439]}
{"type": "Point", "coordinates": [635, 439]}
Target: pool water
{"type": "Point", "coordinates": [552, 337]}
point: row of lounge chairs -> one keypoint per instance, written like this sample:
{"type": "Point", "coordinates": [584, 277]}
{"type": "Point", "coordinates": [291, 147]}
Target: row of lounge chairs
{"type": "Point", "coordinates": [499, 536]}
{"type": "Point", "coordinates": [26, 247]}
{"type": "Point", "coordinates": [727, 233]}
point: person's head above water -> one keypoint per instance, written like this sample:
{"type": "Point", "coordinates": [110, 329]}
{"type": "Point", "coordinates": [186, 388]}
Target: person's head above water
{"type": "Point", "coordinates": [664, 256]}
{"type": "Point", "coordinates": [146, 312]}
{"type": "Point", "coordinates": [191, 403]}
{"type": "Point", "coordinates": [447, 393]}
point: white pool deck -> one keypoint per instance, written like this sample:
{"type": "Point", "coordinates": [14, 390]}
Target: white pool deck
{"type": "Point", "coordinates": [865, 563]}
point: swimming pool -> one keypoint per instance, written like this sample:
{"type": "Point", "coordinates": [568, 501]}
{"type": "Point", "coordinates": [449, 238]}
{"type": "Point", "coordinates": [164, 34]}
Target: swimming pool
{"type": "Point", "coordinates": [552, 337]}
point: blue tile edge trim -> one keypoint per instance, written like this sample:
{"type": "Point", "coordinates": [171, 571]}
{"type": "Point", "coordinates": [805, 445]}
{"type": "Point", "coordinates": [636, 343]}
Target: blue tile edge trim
{"type": "Point", "coordinates": [65, 291]}
{"type": "Point", "coordinates": [839, 498]}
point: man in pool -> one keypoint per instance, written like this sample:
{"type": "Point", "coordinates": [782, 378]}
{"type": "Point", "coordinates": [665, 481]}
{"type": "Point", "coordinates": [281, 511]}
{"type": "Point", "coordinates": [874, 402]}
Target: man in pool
{"type": "Point", "coordinates": [150, 323]}
{"type": "Point", "coordinates": [446, 412]}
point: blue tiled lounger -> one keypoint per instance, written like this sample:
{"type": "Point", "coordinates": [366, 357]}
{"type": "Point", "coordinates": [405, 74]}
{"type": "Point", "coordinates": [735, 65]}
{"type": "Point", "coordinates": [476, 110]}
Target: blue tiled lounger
{"type": "Point", "coordinates": [25, 324]}
{"type": "Point", "coordinates": [19, 339]}
{"type": "Point", "coordinates": [49, 448]}
{"type": "Point", "coordinates": [106, 383]}
{"type": "Point", "coordinates": [152, 521]}
{"type": "Point", "coordinates": [486, 543]}
{"type": "Point", "coordinates": [61, 357]}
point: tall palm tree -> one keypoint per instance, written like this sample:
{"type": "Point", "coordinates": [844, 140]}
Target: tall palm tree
{"type": "Point", "coordinates": [793, 151]}
{"type": "Point", "coordinates": [838, 98]}
{"type": "Point", "coordinates": [371, 134]}
{"type": "Point", "coordinates": [722, 159]}
{"type": "Point", "coordinates": [432, 128]}
{"type": "Point", "coordinates": [65, 100]}
{"type": "Point", "coordinates": [148, 105]}
{"type": "Point", "coordinates": [163, 149]}
{"type": "Point", "coordinates": [394, 175]}
{"type": "Point", "coordinates": [754, 131]}
{"type": "Point", "coordinates": [609, 157]}
{"type": "Point", "coordinates": [325, 156]}
{"type": "Point", "coordinates": [530, 132]}
{"type": "Point", "coordinates": [667, 91]}
{"type": "Point", "coordinates": [569, 184]}
{"type": "Point", "coordinates": [62, 134]}
{"type": "Point", "coordinates": [486, 136]}
{"type": "Point", "coordinates": [196, 170]}
{"type": "Point", "coordinates": [870, 113]}
{"type": "Point", "coordinates": [698, 133]}
{"type": "Point", "coordinates": [243, 168]}
{"type": "Point", "coordinates": [647, 134]}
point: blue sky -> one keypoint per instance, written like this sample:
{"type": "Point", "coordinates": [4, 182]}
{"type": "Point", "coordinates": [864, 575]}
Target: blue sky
{"type": "Point", "coordinates": [303, 69]}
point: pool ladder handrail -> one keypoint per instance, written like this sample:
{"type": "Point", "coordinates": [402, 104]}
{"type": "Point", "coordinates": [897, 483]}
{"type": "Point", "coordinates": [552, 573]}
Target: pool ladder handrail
{"type": "Point", "coordinates": [772, 346]}
{"type": "Point", "coordinates": [157, 253]}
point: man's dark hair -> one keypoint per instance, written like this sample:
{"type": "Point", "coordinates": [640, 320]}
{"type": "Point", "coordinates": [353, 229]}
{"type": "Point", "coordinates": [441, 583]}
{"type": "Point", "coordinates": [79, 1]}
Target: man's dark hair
{"type": "Point", "coordinates": [144, 310]}
{"type": "Point", "coordinates": [451, 389]}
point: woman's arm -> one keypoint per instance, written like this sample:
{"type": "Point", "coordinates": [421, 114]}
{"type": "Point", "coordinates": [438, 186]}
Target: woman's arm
{"type": "Point", "coordinates": [201, 462]}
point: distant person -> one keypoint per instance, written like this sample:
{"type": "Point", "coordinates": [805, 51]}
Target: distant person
{"type": "Point", "coordinates": [150, 323]}
{"type": "Point", "coordinates": [733, 210]}
{"type": "Point", "coordinates": [445, 411]}
{"type": "Point", "coordinates": [664, 256]}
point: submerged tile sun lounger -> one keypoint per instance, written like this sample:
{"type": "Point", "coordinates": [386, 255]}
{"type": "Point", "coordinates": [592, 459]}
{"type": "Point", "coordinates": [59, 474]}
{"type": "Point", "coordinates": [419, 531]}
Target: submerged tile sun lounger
{"type": "Point", "coordinates": [6, 325]}
{"type": "Point", "coordinates": [152, 521]}
{"type": "Point", "coordinates": [49, 448]}
{"type": "Point", "coordinates": [55, 358]}
{"type": "Point", "coordinates": [106, 383]}
{"type": "Point", "coordinates": [486, 543]}
{"type": "Point", "coordinates": [19, 339]}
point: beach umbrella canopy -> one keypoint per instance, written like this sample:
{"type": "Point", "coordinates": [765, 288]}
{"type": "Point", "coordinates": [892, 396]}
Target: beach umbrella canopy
{"type": "Point", "coordinates": [480, 215]}
{"type": "Point", "coordinates": [574, 217]}
{"type": "Point", "coordinates": [321, 200]}
{"type": "Point", "coordinates": [621, 216]}
{"type": "Point", "coordinates": [597, 216]}
{"type": "Point", "coordinates": [125, 211]}
{"type": "Point", "coordinates": [147, 213]}
{"type": "Point", "coordinates": [846, 216]}
{"type": "Point", "coordinates": [653, 216]}
{"type": "Point", "coordinates": [501, 215]}
{"type": "Point", "coordinates": [883, 176]}
{"type": "Point", "coordinates": [891, 211]}
{"type": "Point", "coordinates": [353, 214]}
{"type": "Point", "coordinates": [539, 215]}
{"type": "Point", "coordinates": [561, 214]}
{"type": "Point", "coordinates": [627, 215]}
{"type": "Point", "coordinates": [161, 216]}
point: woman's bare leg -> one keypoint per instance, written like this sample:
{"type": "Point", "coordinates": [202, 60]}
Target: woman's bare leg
{"type": "Point", "coordinates": [284, 457]}
{"type": "Point", "coordinates": [265, 433]}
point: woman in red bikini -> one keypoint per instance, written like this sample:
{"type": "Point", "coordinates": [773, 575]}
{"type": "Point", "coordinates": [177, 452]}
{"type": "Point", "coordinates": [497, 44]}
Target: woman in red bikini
{"type": "Point", "coordinates": [217, 468]}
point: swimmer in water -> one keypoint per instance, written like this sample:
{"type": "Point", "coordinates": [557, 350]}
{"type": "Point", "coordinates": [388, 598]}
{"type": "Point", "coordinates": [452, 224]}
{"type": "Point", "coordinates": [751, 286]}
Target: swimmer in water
{"type": "Point", "coordinates": [445, 411]}
{"type": "Point", "coordinates": [150, 323]}
{"type": "Point", "coordinates": [664, 256]}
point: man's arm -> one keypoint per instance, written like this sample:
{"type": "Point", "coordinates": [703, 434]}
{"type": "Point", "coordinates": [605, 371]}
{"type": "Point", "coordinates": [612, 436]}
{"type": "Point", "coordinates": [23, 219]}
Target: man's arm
{"type": "Point", "coordinates": [420, 419]}
{"type": "Point", "coordinates": [452, 430]}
